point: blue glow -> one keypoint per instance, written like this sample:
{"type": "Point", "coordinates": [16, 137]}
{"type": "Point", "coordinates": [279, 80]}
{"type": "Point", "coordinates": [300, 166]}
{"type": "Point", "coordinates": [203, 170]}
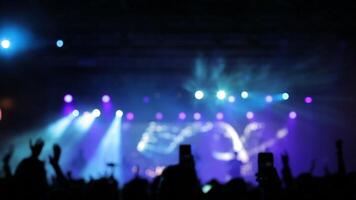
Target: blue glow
{"type": "Point", "coordinates": [59, 43]}
{"type": "Point", "coordinates": [14, 40]}
{"type": "Point", "coordinates": [5, 44]}
{"type": "Point", "coordinates": [244, 94]}
{"type": "Point", "coordinates": [285, 96]}
{"type": "Point", "coordinates": [221, 94]}
{"type": "Point", "coordinates": [109, 151]}
{"type": "Point", "coordinates": [58, 128]}
{"type": "Point", "coordinates": [199, 94]}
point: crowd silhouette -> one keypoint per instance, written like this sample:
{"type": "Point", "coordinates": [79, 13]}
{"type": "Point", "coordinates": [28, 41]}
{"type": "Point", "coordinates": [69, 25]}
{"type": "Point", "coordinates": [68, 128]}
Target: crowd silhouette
{"type": "Point", "coordinates": [178, 181]}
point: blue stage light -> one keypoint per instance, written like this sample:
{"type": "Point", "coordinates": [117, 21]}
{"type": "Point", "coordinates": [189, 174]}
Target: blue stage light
{"type": "Point", "coordinates": [75, 113]}
{"type": "Point", "coordinates": [285, 96]}
{"type": "Point", "coordinates": [244, 94]}
{"type": "Point", "coordinates": [59, 43]}
{"type": "Point", "coordinates": [5, 44]}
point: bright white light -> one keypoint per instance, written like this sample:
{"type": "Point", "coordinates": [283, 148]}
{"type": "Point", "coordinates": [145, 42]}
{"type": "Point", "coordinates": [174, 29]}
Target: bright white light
{"type": "Point", "coordinates": [96, 113]}
{"type": "Point", "coordinates": [268, 98]}
{"type": "Point", "coordinates": [292, 115]}
{"type": "Point", "coordinates": [221, 94]}
{"type": "Point", "coordinates": [285, 96]}
{"type": "Point", "coordinates": [206, 188]}
{"type": "Point", "coordinates": [199, 94]}
{"type": "Point", "coordinates": [5, 44]}
{"type": "Point", "coordinates": [249, 115]}
{"type": "Point", "coordinates": [119, 113]}
{"type": "Point", "coordinates": [85, 121]}
{"type": "Point", "coordinates": [105, 98]}
{"type": "Point", "coordinates": [75, 113]}
{"type": "Point", "coordinates": [244, 94]}
{"type": "Point", "coordinates": [282, 133]}
{"type": "Point", "coordinates": [231, 99]}
{"type": "Point", "coordinates": [59, 43]}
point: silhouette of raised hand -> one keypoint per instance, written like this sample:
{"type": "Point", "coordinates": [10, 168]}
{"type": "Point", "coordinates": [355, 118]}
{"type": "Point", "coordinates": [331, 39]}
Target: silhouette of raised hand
{"type": "Point", "coordinates": [286, 171]}
{"type": "Point", "coordinates": [56, 155]}
{"type": "Point", "coordinates": [54, 160]}
{"type": "Point", "coordinates": [6, 159]}
{"type": "Point", "coordinates": [36, 148]}
{"type": "Point", "coordinates": [285, 158]}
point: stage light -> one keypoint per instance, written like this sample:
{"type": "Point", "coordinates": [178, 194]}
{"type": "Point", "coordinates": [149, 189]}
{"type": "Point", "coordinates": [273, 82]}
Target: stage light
{"type": "Point", "coordinates": [231, 99]}
{"type": "Point", "coordinates": [130, 116]}
{"type": "Point", "coordinates": [221, 94]}
{"type": "Point", "coordinates": [308, 100]}
{"type": "Point", "coordinates": [119, 113]}
{"type": "Point", "coordinates": [96, 113]}
{"type": "Point", "coordinates": [197, 116]}
{"type": "Point", "coordinates": [68, 98]}
{"type": "Point", "coordinates": [249, 115]}
{"type": "Point", "coordinates": [5, 44]}
{"type": "Point", "coordinates": [206, 188]}
{"type": "Point", "coordinates": [159, 116]}
{"type": "Point", "coordinates": [244, 94]}
{"type": "Point", "coordinates": [182, 116]}
{"type": "Point", "coordinates": [75, 113]}
{"type": "Point", "coordinates": [105, 98]}
{"type": "Point", "coordinates": [85, 121]}
{"type": "Point", "coordinates": [59, 43]}
{"type": "Point", "coordinates": [268, 98]}
{"type": "Point", "coordinates": [285, 96]}
{"type": "Point", "coordinates": [219, 116]}
{"type": "Point", "coordinates": [109, 150]}
{"type": "Point", "coordinates": [146, 99]}
{"type": "Point", "coordinates": [199, 94]}
{"type": "Point", "coordinates": [58, 128]}
{"type": "Point", "coordinates": [292, 115]}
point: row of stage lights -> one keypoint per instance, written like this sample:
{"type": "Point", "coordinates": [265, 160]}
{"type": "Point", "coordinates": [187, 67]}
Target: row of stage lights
{"type": "Point", "coordinates": [159, 116]}
{"type": "Point", "coordinates": [222, 95]}
{"type": "Point", "coordinates": [199, 95]}
{"type": "Point", "coordinates": [182, 115]}
{"type": "Point", "coordinates": [6, 43]}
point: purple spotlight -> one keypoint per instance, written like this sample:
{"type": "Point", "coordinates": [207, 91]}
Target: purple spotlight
{"type": "Point", "coordinates": [268, 98]}
{"type": "Point", "coordinates": [219, 116]}
{"type": "Point", "coordinates": [197, 116]}
{"type": "Point", "coordinates": [68, 98]}
{"type": "Point", "coordinates": [130, 116]}
{"type": "Point", "coordinates": [308, 100]}
{"type": "Point", "coordinates": [250, 115]}
{"type": "Point", "coordinates": [159, 116]}
{"type": "Point", "coordinates": [292, 115]}
{"type": "Point", "coordinates": [105, 98]}
{"type": "Point", "coordinates": [182, 116]}
{"type": "Point", "coordinates": [146, 99]}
